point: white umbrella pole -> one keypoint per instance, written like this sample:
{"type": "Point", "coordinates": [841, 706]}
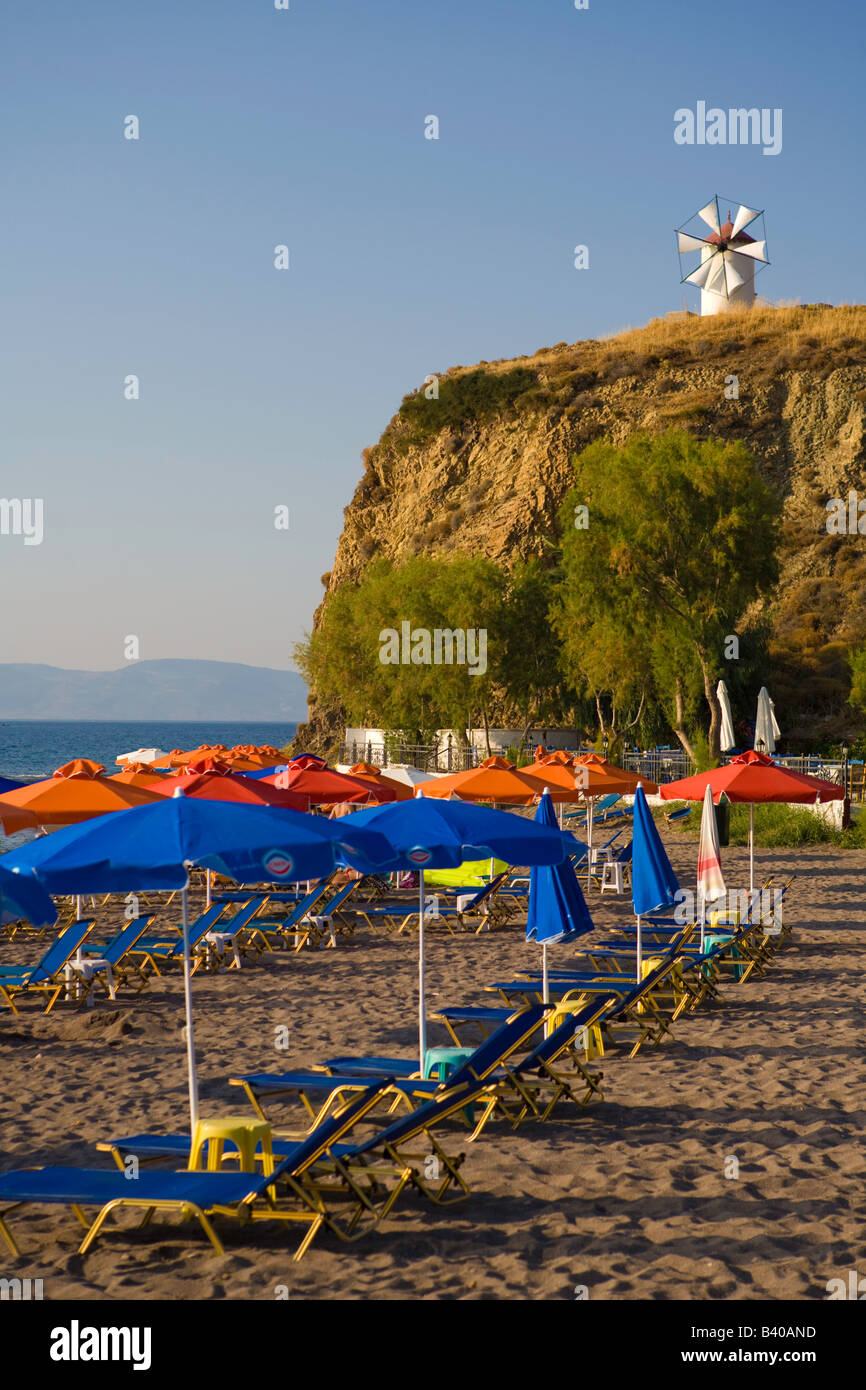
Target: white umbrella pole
{"type": "Point", "coordinates": [422, 1016]}
{"type": "Point", "coordinates": [78, 907]}
{"type": "Point", "coordinates": [639, 957]}
{"type": "Point", "coordinates": [187, 995]}
{"type": "Point", "coordinates": [751, 848]}
{"type": "Point", "coordinates": [208, 888]}
{"type": "Point", "coordinates": [545, 982]}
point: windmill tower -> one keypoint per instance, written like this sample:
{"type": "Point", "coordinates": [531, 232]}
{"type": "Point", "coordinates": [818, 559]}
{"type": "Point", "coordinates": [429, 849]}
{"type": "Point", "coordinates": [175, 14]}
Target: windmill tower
{"type": "Point", "coordinates": [729, 257]}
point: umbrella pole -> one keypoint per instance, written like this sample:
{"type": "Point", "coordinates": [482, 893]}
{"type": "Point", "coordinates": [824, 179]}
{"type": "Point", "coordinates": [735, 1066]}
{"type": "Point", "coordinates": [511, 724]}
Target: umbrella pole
{"type": "Point", "coordinates": [545, 985]}
{"type": "Point", "coordinates": [208, 888]}
{"type": "Point", "coordinates": [187, 996]}
{"type": "Point", "coordinates": [751, 847]}
{"type": "Point", "coordinates": [639, 955]}
{"type": "Point", "coordinates": [422, 1017]}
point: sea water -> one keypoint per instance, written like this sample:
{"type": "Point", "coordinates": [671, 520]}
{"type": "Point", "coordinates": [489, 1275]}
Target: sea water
{"type": "Point", "coordinates": [31, 749]}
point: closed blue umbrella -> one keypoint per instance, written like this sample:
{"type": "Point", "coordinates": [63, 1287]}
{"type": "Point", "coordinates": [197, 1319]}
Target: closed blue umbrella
{"type": "Point", "coordinates": [22, 896]}
{"type": "Point", "coordinates": [557, 907]}
{"type": "Point", "coordinates": [434, 834]}
{"type": "Point", "coordinates": [653, 881]}
{"type": "Point", "coordinates": [154, 847]}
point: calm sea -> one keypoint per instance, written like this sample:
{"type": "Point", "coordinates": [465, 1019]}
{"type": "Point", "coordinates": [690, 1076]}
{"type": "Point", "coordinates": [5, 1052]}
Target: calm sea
{"type": "Point", "coordinates": [34, 748]}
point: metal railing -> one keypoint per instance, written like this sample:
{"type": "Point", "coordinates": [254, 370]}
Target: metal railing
{"type": "Point", "coordinates": [451, 756]}
{"type": "Point", "coordinates": [655, 764]}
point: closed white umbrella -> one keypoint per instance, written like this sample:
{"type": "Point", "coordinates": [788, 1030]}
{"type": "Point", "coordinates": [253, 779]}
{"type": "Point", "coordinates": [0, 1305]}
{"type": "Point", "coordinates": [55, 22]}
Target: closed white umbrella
{"type": "Point", "coordinates": [766, 728]}
{"type": "Point", "coordinates": [726, 736]}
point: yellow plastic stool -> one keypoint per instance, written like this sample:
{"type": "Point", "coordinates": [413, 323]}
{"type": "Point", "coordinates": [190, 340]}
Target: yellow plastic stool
{"type": "Point", "coordinates": [651, 963]}
{"type": "Point", "coordinates": [591, 1039]}
{"type": "Point", "coordinates": [244, 1133]}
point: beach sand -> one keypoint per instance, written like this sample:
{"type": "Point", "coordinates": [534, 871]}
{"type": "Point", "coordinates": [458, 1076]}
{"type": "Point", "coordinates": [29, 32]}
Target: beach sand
{"type": "Point", "coordinates": [627, 1199]}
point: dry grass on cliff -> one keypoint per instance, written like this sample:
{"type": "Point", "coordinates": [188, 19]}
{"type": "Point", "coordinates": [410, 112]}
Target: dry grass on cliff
{"type": "Point", "coordinates": [804, 330]}
{"type": "Point", "coordinates": [767, 340]}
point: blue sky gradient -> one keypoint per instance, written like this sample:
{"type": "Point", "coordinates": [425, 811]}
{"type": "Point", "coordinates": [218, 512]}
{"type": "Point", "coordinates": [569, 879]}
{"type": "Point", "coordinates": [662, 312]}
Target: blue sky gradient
{"type": "Point", "coordinates": [306, 127]}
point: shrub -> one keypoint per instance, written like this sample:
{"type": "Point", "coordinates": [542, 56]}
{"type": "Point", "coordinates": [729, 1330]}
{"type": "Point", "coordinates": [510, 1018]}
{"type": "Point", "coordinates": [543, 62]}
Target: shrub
{"type": "Point", "coordinates": [473, 396]}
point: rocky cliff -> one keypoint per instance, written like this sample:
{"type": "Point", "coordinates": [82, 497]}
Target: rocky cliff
{"type": "Point", "coordinates": [478, 460]}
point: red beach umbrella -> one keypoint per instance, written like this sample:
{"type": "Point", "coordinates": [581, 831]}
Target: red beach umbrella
{"type": "Point", "coordinates": [215, 781]}
{"type": "Point", "coordinates": [753, 778]}
{"type": "Point", "coordinates": [323, 786]}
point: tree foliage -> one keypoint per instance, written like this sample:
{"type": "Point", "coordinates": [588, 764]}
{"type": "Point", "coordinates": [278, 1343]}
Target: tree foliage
{"type": "Point", "coordinates": [681, 540]}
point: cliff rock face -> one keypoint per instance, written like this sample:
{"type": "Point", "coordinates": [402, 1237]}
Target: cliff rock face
{"type": "Point", "coordinates": [483, 466]}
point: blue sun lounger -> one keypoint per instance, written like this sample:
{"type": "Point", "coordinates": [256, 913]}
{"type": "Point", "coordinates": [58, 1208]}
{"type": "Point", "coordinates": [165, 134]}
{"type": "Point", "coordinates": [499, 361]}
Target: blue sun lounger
{"type": "Point", "coordinates": [169, 948]}
{"type": "Point", "coordinates": [362, 1196]}
{"type": "Point", "coordinates": [511, 1034]}
{"type": "Point", "coordinates": [46, 976]}
{"type": "Point", "coordinates": [344, 1074]}
{"type": "Point", "coordinates": [199, 1193]}
{"type": "Point", "coordinates": [406, 913]}
{"type": "Point", "coordinates": [108, 960]}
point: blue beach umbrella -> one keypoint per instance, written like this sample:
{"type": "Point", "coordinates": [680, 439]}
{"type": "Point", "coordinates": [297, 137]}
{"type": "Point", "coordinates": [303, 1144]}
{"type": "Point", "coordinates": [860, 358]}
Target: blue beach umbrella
{"type": "Point", "coordinates": [653, 881]}
{"type": "Point", "coordinates": [557, 907]}
{"type": "Point", "coordinates": [155, 846]}
{"type": "Point", "coordinates": [21, 895]}
{"type": "Point", "coordinates": [435, 834]}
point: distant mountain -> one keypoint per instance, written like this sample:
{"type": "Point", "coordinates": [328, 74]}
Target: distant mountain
{"type": "Point", "coordinates": [173, 690]}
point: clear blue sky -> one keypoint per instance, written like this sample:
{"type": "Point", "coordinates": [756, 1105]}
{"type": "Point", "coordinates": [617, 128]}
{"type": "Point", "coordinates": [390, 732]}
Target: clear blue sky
{"type": "Point", "coordinates": [306, 127]}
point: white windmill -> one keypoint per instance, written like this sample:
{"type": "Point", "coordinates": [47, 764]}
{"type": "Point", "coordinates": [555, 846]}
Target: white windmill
{"type": "Point", "coordinates": [729, 257]}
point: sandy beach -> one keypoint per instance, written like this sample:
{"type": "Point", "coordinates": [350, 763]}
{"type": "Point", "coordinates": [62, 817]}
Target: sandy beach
{"type": "Point", "coordinates": [628, 1199]}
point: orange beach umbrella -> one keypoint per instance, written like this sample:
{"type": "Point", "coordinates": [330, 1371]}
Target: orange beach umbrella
{"type": "Point", "coordinates": [138, 775]}
{"type": "Point", "coordinates": [75, 792]}
{"type": "Point", "coordinates": [380, 781]}
{"type": "Point", "coordinates": [495, 779]}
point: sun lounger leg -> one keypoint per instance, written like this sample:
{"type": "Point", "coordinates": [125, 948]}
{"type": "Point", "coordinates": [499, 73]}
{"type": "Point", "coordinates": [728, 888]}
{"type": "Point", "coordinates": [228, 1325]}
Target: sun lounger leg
{"type": "Point", "coordinates": [7, 1234]}
{"type": "Point", "coordinates": [312, 1232]}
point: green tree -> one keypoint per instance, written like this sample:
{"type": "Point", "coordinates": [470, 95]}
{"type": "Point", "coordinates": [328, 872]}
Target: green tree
{"type": "Point", "coordinates": [857, 663]}
{"type": "Point", "coordinates": [343, 657]}
{"type": "Point", "coordinates": [681, 539]}
{"type": "Point", "coordinates": [535, 686]}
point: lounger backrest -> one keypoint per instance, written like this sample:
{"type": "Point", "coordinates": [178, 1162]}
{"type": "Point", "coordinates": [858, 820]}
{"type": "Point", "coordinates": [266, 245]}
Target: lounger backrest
{"type": "Point", "coordinates": [118, 947]}
{"type": "Point", "coordinates": [324, 1136]}
{"type": "Point", "coordinates": [341, 895]}
{"type": "Point", "coordinates": [646, 985]}
{"type": "Point", "coordinates": [203, 924]}
{"type": "Point", "coordinates": [300, 910]}
{"type": "Point", "coordinates": [61, 949]}
{"type": "Point", "coordinates": [499, 1045]}
{"type": "Point", "coordinates": [244, 915]}
{"type": "Point", "coordinates": [562, 1035]}
{"type": "Point", "coordinates": [447, 1101]}
{"type": "Point", "coordinates": [484, 891]}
